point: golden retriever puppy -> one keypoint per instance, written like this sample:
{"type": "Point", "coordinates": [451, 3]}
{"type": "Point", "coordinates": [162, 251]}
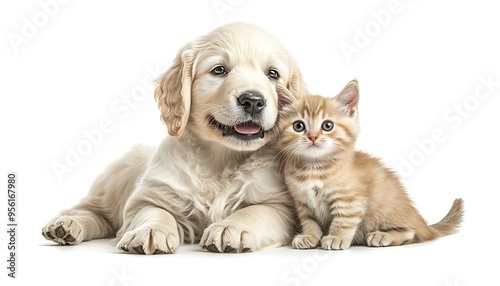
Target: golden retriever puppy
{"type": "Point", "coordinates": [214, 180]}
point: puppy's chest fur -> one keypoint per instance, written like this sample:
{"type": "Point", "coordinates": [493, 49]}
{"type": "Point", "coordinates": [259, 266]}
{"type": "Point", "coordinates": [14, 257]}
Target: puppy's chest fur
{"type": "Point", "coordinates": [206, 189]}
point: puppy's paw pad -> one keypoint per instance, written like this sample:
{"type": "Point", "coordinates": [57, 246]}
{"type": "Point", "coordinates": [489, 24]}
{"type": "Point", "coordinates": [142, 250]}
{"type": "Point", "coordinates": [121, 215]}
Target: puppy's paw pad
{"type": "Point", "coordinates": [63, 230]}
{"type": "Point", "coordinates": [305, 241]}
{"type": "Point", "coordinates": [333, 242]}
{"type": "Point", "coordinates": [146, 240]}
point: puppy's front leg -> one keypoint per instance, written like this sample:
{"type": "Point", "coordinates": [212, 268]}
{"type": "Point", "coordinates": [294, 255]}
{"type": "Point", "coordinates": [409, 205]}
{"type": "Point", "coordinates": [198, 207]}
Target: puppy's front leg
{"type": "Point", "coordinates": [151, 230]}
{"type": "Point", "coordinates": [250, 229]}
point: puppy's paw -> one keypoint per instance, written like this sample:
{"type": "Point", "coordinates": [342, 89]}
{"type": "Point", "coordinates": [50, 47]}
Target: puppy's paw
{"type": "Point", "coordinates": [148, 240]}
{"type": "Point", "coordinates": [63, 230]}
{"type": "Point", "coordinates": [227, 238]}
{"type": "Point", "coordinates": [305, 241]}
{"type": "Point", "coordinates": [333, 242]}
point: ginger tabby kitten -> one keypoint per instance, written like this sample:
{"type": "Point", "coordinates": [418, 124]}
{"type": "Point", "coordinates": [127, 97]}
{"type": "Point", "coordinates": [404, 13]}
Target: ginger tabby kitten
{"type": "Point", "coordinates": [344, 196]}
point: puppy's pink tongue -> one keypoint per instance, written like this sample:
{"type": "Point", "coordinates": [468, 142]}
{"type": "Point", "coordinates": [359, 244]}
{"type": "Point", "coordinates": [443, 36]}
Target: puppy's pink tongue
{"type": "Point", "coordinates": [248, 129]}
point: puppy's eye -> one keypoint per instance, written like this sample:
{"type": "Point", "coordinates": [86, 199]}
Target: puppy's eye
{"type": "Point", "coordinates": [327, 125]}
{"type": "Point", "coordinates": [299, 126]}
{"type": "Point", "coordinates": [274, 74]}
{"type": "Point", "coordinates": [219, 70]}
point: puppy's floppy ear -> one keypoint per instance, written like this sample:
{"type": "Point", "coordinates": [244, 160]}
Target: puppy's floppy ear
{"type": "Point", "coordinates": [296, 83]}
{"type": "Point", "coordinates": [285, 97]}
{"type": "Point", "coordinates": [173, 92]}
{"type": "Point", "coordinates": [348, 98]}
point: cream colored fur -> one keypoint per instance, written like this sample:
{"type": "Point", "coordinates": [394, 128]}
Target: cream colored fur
{"type": "Point", "coordinates": [344, 196]}
{"type": "Point", "coordinates": [198, 185]}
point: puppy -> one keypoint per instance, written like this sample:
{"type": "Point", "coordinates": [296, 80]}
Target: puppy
{"type": "Point", "coordinates": [213, 180]}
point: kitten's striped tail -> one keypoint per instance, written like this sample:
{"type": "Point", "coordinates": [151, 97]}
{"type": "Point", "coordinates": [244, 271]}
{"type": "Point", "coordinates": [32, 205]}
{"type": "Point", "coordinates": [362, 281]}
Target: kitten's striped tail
{"type": "Point", "coordinates": [452, 221]}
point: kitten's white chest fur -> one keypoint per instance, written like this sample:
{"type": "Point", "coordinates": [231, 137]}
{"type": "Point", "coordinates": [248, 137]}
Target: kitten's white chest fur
{"type": "Point", "coordinates": [316, 197]}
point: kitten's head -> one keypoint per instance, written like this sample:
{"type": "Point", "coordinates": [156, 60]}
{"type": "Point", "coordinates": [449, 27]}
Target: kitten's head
{"type": "Point", "coordinates": [318, 128]}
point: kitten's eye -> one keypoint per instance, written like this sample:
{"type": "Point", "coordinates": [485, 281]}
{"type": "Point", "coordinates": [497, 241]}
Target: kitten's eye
{"type": "Point", "coordinates": [273, 74]}
{"type": "Point", "coordinates": [327, 125]}
{"type": "Point", "coordinates": [299, 126]}
{"type": "Point", "coordinates": [219, 70]}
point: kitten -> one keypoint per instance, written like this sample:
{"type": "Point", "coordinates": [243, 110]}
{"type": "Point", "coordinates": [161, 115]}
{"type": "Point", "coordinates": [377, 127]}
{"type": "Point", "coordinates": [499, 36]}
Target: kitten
{"type": "Point", "coordinates": [343, 196]}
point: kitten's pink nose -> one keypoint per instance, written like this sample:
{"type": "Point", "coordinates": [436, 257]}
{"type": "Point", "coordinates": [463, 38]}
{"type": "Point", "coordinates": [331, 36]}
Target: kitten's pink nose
{"type": "Point", "coordinates": [313, 138]}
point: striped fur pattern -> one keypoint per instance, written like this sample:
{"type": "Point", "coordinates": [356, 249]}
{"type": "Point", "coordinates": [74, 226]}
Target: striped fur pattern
{"type": "Point", "coordinates": [346, 197]}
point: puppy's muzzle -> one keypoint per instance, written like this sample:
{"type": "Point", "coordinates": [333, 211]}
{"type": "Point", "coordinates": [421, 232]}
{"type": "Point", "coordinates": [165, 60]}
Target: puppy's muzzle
{"type": "Point", "coordinates": [252, 102]}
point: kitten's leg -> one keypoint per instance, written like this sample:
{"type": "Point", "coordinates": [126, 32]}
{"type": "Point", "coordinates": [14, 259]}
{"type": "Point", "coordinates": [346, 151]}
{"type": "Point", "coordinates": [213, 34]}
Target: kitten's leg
{"type": "Point", "coordinates": [311, 231]}
{"type": "Point", "coordinates": [389, 238]}
{"type": "Point", "coordinates": [347, 213]}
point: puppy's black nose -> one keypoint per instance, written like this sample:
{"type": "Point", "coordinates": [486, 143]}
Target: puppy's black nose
{"type": "Point", "coordinates": [252, 102]}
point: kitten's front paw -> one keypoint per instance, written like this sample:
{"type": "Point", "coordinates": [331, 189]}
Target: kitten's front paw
{"type": "Point", "coordinates": [333, 242]}
{"type": "Point", "coordinates": [305, 241]}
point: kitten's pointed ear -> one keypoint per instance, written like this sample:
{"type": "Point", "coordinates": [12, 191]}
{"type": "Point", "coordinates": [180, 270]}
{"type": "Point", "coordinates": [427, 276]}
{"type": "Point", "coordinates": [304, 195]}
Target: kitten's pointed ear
{"type": "Point", "coordinates": [285, 97]}
{"type": "Point", "coordinates": [348, 98]}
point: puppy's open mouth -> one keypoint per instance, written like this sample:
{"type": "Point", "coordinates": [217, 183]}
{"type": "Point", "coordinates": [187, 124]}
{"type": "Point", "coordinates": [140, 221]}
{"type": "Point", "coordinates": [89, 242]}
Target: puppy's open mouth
{"type": "Point", "coordinates": [246, 130]}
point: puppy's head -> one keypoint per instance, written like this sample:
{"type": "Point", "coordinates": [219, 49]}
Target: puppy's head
{"type": "Point", "coordinates": [223, 87]}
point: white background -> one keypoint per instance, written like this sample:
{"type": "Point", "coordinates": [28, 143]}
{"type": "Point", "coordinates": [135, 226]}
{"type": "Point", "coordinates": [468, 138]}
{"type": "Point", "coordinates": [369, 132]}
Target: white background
{"type": "Point", "coordinates": [77, 65]}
